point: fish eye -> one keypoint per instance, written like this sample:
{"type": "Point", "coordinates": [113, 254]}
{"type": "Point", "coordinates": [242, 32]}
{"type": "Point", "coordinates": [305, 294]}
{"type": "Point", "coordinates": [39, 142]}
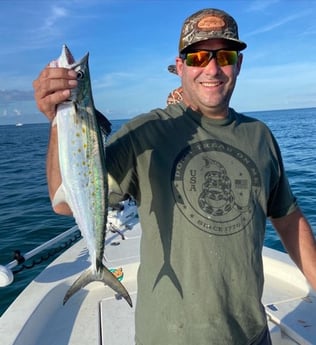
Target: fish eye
{"type": "Point", "coordinates": [80, 75]}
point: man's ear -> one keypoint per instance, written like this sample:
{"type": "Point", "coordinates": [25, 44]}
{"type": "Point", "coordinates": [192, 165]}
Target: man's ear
{"type": "Point", "coordinates": [179, 66]}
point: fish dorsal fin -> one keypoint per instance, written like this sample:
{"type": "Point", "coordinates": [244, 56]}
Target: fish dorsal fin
{"type": "Point", "coordinates": [104, 123]}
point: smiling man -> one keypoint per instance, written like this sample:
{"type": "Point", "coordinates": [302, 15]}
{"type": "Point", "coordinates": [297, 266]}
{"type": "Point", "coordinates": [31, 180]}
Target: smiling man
{"type": "Point", "coordinates": [209, 67]}
{"type": "Point", "coordinates": [205, 178]}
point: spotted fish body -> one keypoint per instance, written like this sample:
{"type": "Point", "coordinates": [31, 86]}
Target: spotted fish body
{"type": "Point", "coordinates": [84, 177]}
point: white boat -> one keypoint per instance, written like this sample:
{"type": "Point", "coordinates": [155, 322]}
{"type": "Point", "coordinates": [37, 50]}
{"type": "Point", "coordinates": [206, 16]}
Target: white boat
{"type": "Point", "coordinates": [19, 124]}
{"type": "Point", "coordinates": [96, 316]}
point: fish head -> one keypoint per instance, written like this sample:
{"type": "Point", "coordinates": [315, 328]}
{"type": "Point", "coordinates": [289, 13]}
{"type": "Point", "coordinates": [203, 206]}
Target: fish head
{"type": "Point", "coordinates": [79, 94]}
{"type": "Point", "coordinates": [66, 60]}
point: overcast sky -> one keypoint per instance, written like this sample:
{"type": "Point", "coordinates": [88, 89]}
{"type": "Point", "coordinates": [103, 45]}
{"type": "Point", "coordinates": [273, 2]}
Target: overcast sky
{"type": "Point", "coordinates": [132, 42]}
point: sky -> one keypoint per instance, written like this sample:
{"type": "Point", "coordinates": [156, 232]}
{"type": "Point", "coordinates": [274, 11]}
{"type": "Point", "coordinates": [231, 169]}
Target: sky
{"type": "Point", "coordinates": [131, 43]}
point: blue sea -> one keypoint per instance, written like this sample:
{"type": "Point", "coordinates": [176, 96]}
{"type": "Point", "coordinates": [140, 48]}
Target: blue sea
{"type": "Point", "coordinates": [26, 217]}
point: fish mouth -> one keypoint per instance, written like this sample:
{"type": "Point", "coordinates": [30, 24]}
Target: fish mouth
{"type": "Point", "coordinates": [69, 57]}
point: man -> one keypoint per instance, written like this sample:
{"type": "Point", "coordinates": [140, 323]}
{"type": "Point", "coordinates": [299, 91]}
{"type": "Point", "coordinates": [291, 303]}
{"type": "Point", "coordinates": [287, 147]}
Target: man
{"type": "Point", "coordinates": [205, 179]}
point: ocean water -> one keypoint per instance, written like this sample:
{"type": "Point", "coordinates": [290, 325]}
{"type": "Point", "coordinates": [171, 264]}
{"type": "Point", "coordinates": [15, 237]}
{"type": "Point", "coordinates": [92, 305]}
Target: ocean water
{"type": "Point", "coordinates": [26, 217]}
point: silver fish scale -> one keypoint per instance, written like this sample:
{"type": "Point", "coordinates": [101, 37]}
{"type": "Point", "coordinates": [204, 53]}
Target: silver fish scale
{"type": "Point", "coordinates": [83, 172]}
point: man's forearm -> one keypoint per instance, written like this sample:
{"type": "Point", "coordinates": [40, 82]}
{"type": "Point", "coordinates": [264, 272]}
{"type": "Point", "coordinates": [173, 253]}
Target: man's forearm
{"type": "Point", "coordinates": [298, 239]}
{"type": "Point", "coordinates": [53, 172]}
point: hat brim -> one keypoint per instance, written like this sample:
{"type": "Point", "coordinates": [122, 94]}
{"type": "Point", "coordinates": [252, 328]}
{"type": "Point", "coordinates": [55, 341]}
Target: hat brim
{"type": "Point", "coordinates": [233, 44]}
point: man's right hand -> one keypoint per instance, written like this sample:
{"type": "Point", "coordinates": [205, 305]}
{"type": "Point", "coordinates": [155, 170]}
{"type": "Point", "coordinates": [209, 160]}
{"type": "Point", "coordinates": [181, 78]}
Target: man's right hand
{"type": "Point", "coordinates": [53, 87]}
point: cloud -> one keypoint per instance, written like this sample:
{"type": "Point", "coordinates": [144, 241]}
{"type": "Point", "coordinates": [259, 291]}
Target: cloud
{"type": "Point", "coordinates": [260, 5]}
{"type": "Point", "coordinates": [287, 90]}
{"type": "Point", "coordinates": [112, 79]}
{"type": "Point", "coordinates": [10, 96]}
{"type": "Point", "coordinates": [48, 27]}
{"type": "Point", "coordinates": [277, 24]}
{"type": "Point", "coordinates": [57, 13]}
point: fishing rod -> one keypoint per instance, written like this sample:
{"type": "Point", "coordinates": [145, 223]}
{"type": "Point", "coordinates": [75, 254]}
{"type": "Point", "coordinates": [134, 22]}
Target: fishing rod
{"type": "Point", "coordinates": [6, 274]}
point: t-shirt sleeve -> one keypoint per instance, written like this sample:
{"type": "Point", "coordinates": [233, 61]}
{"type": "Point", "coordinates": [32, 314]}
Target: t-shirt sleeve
{"type": "Point", "coordinates": [281, 200]}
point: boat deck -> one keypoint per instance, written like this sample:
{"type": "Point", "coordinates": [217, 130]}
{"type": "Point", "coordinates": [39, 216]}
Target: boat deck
{"type": "Point", "coordinates": [289, 302]}
{"type": "Point", "coordinates": [65, 325]}
{"type": "Point", "coordinates": [95, 315]}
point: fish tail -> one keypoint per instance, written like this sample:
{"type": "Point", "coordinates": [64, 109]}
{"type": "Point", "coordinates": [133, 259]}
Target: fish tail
{"type": "Point", "coordinates": [102, 275]}
{"type": "Point", "coordinates": [109, 279]}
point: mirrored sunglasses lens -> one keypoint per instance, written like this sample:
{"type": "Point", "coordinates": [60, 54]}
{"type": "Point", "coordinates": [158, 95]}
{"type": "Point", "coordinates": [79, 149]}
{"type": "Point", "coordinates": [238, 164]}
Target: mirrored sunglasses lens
{"type": "Point", "coordinates": [226, 57]}
{"type": "Point", "coordinates": [198, 59]}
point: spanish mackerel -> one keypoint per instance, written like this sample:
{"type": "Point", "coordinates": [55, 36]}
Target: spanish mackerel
{"type": "Point", "coordinates": [84, 177]}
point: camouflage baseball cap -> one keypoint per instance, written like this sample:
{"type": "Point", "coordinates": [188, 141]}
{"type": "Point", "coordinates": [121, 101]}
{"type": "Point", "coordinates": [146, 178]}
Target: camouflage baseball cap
{"type": "Point", "coordinates": [207, 24]}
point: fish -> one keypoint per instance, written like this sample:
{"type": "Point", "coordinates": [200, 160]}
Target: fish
{"type": "Point", "coordinates": [82, 132]}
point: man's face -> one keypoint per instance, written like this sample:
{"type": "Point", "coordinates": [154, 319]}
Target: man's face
{"type": "Point", "coordinates": [208, 89]}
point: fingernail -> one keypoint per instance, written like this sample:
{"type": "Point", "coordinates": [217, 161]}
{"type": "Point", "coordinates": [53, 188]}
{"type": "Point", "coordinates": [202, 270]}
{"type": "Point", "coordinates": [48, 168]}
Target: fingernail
{"type": "Point", "coordinates": [72, 82]}
{"type": "Point", "coordinates": [72, 73]}
{"type": "Point", "coordinates": [66, 93]}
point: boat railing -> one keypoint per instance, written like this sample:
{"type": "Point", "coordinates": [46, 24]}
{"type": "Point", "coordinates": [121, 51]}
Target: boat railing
{"type": "Point", "coordinates": [6, 273]}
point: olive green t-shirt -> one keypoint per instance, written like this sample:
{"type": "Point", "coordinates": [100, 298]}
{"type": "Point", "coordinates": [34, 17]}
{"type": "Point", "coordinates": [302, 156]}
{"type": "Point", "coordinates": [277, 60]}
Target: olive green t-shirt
{"type": "Point", "coordinates": [204, 190]}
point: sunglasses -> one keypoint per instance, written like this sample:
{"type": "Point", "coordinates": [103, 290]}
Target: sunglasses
{"type": "Point", "coordinates": [201, 58]}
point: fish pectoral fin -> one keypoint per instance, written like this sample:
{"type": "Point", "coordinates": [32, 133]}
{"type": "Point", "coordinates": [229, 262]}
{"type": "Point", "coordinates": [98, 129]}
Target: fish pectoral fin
{"type": "Point", "coordinates": [102, 275]}
{"type": "Point", "coordinates": [103, 122]}
{"type": "Point", "coordinates": [59, 196]}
